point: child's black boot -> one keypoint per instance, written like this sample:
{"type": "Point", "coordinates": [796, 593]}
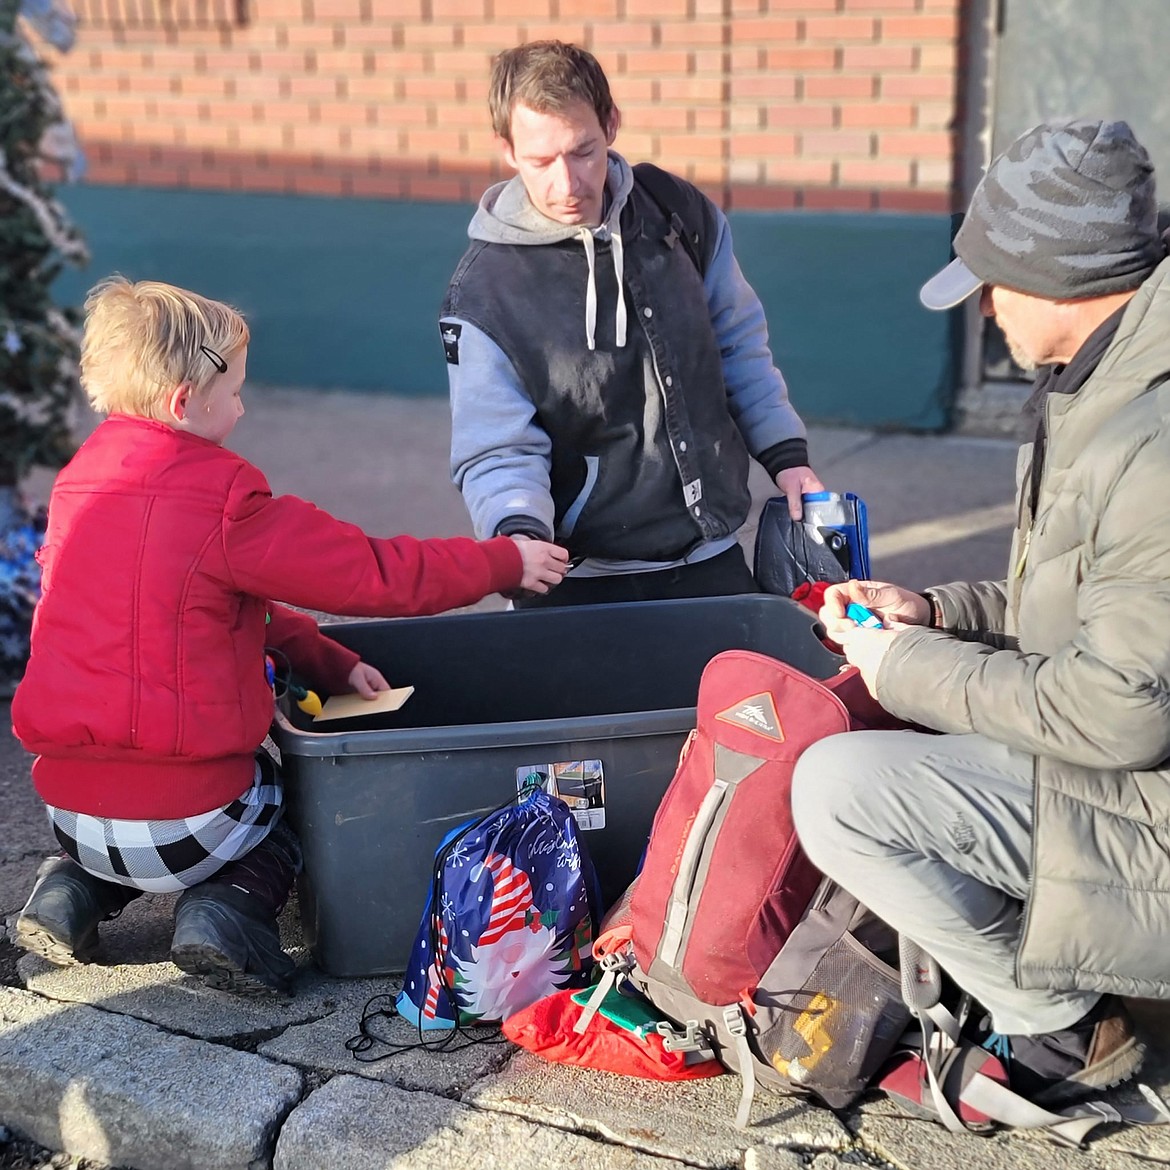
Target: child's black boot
{"type": "Point", "coordinates": [225, 928]}
{"type": "Point", "coordinates": [60, 920]}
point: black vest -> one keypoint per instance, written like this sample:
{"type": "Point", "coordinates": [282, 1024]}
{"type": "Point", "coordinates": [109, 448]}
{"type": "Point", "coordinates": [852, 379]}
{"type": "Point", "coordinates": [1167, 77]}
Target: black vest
{"type": "Point", "coordinates": [646, 460]}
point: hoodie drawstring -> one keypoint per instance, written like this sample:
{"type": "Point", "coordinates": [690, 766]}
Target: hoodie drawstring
{"type": "Point", "coordinates": [619, 268]}
{"type": "Point", "coordinates": [591, 290]}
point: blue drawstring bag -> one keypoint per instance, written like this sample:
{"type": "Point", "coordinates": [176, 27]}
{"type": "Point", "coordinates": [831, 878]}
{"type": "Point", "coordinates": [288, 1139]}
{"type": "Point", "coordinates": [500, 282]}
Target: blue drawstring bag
{"type": "Point", "coordinates": [510, 918]}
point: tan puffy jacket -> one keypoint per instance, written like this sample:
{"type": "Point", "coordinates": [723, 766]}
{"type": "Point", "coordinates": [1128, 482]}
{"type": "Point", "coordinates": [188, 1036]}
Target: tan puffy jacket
{"type": "Point", "coordinates": [1084, 681]}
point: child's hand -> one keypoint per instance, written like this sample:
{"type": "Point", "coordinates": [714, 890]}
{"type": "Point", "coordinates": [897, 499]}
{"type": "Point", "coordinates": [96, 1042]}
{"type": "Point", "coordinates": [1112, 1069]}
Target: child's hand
{"type": "Point", "coordinates": [544, 564]}
{"type": "Point", "coordinates": [366, 681]}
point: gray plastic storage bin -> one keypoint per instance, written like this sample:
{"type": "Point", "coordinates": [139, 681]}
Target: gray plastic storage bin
{"type": "Point", "coordinates": [497, 694]}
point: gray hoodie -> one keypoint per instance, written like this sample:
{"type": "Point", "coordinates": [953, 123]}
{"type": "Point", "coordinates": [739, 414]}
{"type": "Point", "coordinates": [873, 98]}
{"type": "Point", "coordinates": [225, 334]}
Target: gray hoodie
{"type": "Point", "coordinates": [506, 216]}
{"type": "Point", "coordinates": [500, 456]}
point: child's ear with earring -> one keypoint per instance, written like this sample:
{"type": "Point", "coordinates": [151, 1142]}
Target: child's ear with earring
{"type": "Point", "coordinates": [179, 403]}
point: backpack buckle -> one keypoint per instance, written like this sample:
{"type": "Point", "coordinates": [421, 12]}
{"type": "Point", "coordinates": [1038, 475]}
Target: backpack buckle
{"type": "Point", "coordinates": [619, 962]}
{"type": "Point", "coordinates": [690, 1039]}
{"type": "Point", "coordinates": [735, 1020]}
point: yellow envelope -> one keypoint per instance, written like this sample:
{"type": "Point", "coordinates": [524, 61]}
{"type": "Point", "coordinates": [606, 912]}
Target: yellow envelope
{"type": "Point", "coordinates": [351, 706]}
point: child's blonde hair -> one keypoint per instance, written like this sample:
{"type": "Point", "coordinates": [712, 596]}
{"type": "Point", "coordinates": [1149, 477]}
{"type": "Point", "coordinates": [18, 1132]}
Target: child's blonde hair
{"type": "Point", "coordinates": [142, 340]}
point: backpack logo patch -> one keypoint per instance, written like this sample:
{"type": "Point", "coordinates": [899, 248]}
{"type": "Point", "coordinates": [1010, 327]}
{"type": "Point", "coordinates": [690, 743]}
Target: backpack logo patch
{"type": "Point", "coordinates": [757, 714]}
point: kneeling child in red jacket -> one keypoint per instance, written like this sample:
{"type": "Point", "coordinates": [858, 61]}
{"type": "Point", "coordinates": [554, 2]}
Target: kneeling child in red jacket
{"type": "Point", "coordinates": [145, 696]}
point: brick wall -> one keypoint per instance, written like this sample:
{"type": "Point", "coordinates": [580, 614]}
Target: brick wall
{"type": "Point", "coordinates": [843, 104]}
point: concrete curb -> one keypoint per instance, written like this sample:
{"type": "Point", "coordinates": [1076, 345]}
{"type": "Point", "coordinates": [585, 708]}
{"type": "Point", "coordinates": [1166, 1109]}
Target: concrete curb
{"type": "Point", "coordinates": [121, 1092]}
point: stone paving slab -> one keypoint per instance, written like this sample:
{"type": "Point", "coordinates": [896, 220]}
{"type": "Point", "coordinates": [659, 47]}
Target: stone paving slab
{"type": "Point", "coordinates": [691, 1120]}
{"type": "Point", "coordinates": [161, 994]}
{"type": "Point", "coordinates": [136, 978]}
{"type": "Point", "coordinates": [912, 1144]}
{"type": "Point", "coordinates": [321, 1045]}
{"type": "Point", "coordinates": [309, 1030]}
{"type": "Point", "coordinates": [362, 1125]}
{"type": "Point", "coordinates": [123, 1093]}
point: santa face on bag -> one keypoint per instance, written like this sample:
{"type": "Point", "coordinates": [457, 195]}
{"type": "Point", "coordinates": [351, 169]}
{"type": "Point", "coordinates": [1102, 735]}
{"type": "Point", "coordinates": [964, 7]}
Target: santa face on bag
{"type": "Point", "coordinates": [516, 961]}
{"type": "Point", "coordinates": [511, 973]}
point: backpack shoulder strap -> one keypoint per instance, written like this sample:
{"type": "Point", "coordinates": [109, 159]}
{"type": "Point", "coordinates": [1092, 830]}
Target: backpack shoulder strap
{"type": "Point", "coordinates": [684, 206]}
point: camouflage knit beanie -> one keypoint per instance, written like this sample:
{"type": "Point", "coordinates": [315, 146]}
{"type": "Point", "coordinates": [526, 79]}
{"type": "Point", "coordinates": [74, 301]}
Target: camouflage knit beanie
{"type": "Point", "coordinates": [1067, 211]}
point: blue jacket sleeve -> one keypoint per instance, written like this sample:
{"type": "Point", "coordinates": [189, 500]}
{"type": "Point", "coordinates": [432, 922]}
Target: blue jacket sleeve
{"type": "Point", "coordinates": [500, 456]}
{"type": "Point", "coordinates": [756, 392]}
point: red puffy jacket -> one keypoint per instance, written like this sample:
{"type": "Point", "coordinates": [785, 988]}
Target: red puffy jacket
{"type": "Point", "coordinates": [145, 694]}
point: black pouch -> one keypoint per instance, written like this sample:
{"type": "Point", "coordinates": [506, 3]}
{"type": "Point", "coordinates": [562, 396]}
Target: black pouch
{"type": "Point", "coordinates": [788, 554]}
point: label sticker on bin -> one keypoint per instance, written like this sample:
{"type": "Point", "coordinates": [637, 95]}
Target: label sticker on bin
{"type": "Point", "coordinates": [579, 783]}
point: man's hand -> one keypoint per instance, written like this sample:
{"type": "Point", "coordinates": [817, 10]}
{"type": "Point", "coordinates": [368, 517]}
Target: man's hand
{"type": "Point", "coordinates": [544, 564]}
{"type": "Point", "coordinates": [898, 609]}
{"type": "Point", "coordinates": [366, 681]}
{"type": "Point", "coordinates": [893, 604]}
{"type": "Point", "coordinates": [794, 482]}
{"type": "Point", "coordinates": [865, 649]}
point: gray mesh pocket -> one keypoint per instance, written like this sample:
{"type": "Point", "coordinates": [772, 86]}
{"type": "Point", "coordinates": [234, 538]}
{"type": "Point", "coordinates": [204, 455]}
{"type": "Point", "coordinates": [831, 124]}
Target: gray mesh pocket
{"type": "Point", "coordinates": [833, 1035]}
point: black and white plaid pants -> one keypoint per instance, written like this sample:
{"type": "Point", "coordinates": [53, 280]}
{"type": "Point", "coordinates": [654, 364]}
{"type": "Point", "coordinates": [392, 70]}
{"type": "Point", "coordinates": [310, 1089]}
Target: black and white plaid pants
{"type": "Point", "coordinates": [165, 857]}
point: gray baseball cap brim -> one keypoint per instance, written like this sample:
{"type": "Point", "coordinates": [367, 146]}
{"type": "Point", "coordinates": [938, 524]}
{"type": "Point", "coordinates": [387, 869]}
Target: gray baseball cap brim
{"type": "Point", "coordinates": [950, 287]}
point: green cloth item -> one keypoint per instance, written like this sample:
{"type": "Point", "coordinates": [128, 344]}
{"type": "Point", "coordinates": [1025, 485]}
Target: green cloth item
{"type": "Point", "coordinates": [635, 1015]}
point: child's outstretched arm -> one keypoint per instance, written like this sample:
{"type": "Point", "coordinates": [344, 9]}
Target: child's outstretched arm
{"type": "Point", "coordinates": [286, 548]}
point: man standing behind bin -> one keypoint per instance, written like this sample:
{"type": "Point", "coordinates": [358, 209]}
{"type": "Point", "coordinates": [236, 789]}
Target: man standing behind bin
{"type": "Point", "coordinates": [609, 365]}
{"type": "Point", "coordinates": [1027, 847]}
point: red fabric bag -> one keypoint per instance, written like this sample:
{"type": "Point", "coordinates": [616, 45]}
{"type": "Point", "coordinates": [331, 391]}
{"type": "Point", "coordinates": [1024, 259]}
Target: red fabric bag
{"type": "Point", "coordinates": [546, 1029]}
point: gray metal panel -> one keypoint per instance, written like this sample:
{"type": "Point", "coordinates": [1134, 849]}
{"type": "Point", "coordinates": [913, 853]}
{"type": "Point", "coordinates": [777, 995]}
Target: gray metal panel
{"type": "Point", "coordinates": [1093, 58]}
{"type": "Point", "coordinates": [1035, 60]}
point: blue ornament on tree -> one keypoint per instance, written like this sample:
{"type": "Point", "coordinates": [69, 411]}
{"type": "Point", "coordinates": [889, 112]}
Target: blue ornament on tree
{"type": "Point", "coordinates": [21, 535]}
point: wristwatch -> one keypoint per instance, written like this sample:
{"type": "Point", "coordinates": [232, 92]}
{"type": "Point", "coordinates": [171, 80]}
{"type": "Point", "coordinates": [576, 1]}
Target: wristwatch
{"type": "Point", "coordinates": [936, 622]}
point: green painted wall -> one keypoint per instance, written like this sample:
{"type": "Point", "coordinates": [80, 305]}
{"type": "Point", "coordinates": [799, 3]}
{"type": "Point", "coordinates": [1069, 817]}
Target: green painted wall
{"type": "Point", "coordinates": [841, 294]}
{"type": "Point", "coordinates": [345, 292]}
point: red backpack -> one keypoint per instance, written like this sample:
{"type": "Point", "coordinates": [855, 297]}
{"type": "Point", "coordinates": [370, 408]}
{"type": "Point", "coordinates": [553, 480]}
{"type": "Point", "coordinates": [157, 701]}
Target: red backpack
{"type": "Point", "coordinates": [729, 929]}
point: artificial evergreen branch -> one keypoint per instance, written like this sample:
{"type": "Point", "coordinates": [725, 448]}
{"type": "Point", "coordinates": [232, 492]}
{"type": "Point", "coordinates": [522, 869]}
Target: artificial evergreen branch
{"type": "Point", "coordinates": [38, 341]}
